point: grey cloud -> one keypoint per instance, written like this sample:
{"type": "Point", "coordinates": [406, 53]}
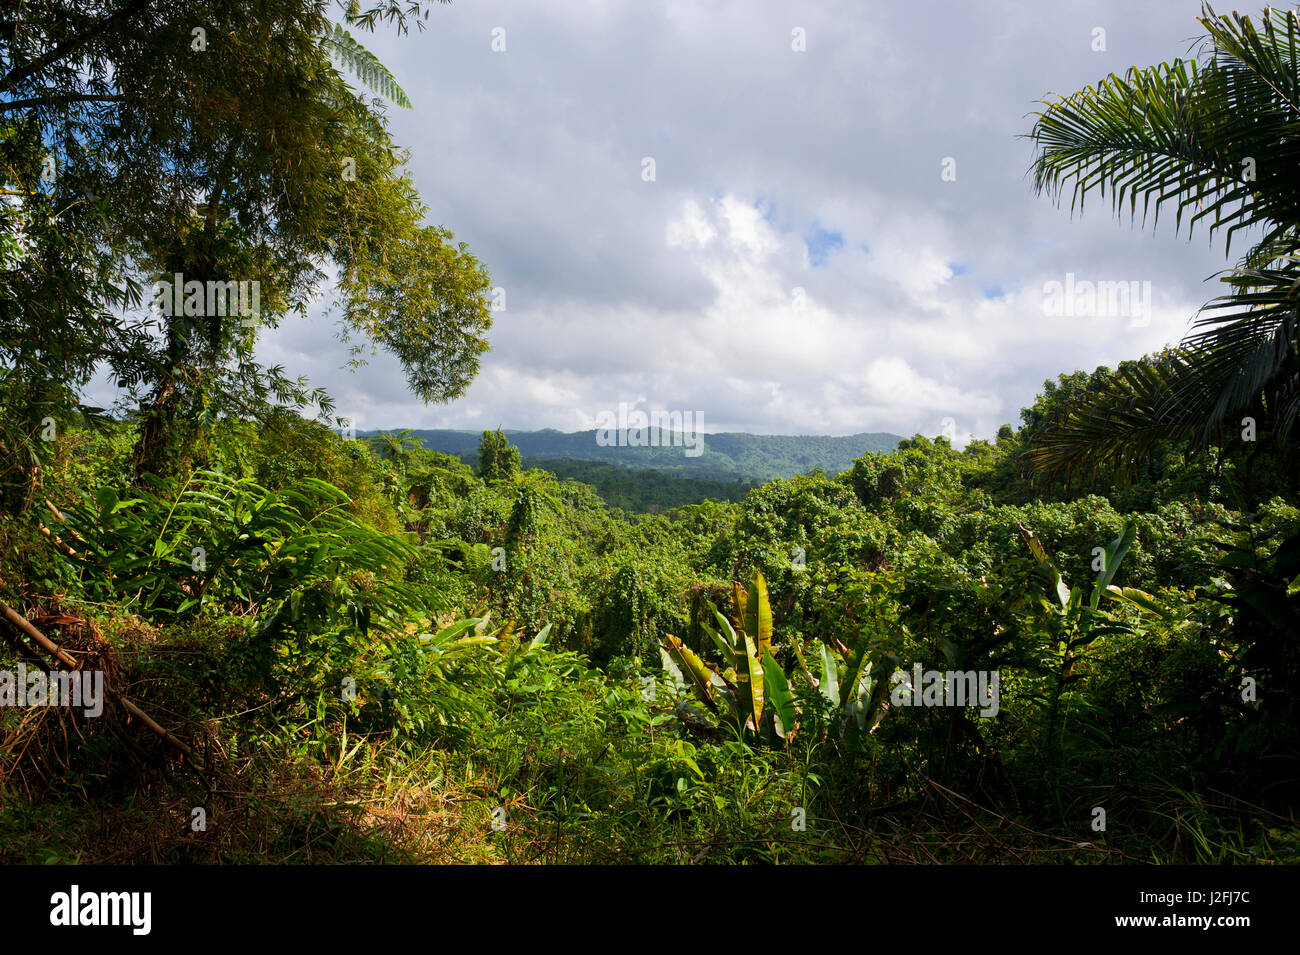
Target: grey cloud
{"type": "Point", "coordinates": [533, 157]}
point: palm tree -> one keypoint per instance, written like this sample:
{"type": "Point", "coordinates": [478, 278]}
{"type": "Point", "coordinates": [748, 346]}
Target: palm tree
{"type": "Point", "coordinates": [1218, 137]}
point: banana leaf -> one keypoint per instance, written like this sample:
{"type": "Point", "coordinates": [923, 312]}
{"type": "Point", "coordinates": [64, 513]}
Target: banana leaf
{"type": "Point", "coordinates": [700, 675]}
{"type": "Point", "coordinates": [730, 635]}
{"type": "Point", "coordinates": [1036, 548]}
{"type": "Point", "coordinates": [778, 692]}
{"type": "Point", "coordinates": [739, 601]}
{"type": "Point", "coordinates": [853, 674]}
{"type": "Point", "coordinates": [1140, 599]}
{"type": "Point", "coordinates": [675, 678]}
{"type": "Point", "coordinates": [758, 615]}
{"type": "Point", "coordinates": [754, 684]}
{"type": "Point", "coordinates": [1114, 556]}
{"type": "Point", "coordinates": [829, 685]}
{"type": "Point", "coordinates": [540, 639]}
{"type": "Point", "coordinates": [727, 650]}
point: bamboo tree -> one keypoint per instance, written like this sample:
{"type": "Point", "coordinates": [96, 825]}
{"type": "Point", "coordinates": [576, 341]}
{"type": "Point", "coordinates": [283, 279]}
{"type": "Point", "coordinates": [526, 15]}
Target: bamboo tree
{"type": "Point", "coordinates": [220, 140]}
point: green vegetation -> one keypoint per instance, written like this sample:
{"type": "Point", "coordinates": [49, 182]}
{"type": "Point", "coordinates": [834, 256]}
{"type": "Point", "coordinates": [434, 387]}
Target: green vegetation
{"type": "Point", "coordinates": [327, 650]}
{"type": "Point", "coordinates": [727, 457]}
{"type": "Point", "coordinates": [370, 651]}
{"type": "Point", "coordinates": [1216, 140]}
{"type": "Point", "coordinates": [116, 118]}
{"type": "Point", "coordinates": [498, 459]}
{"type": "Point", "coordinates": [643, 491]}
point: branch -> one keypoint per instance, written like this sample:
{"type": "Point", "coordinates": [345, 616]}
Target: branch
{"type": "Point", "coordinates": [218, 187]}
{"type": "Point", "coordinates": [23, 625]}
{"type": "Point", "coordinates": [58, 101]}
{"type": "Point", "coordinates": [67, 48]}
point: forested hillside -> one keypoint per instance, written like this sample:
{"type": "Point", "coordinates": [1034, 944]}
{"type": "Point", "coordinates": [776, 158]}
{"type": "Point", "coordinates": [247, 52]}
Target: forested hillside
{"type": "Point", "coordinates": [642, 491]}
{"type": "Point", "coordinates": [724, 457]}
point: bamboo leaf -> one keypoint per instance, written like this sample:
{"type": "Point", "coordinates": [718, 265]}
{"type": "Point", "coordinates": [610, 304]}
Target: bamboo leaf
{"type": "Point", "coordinates": [365, 65]}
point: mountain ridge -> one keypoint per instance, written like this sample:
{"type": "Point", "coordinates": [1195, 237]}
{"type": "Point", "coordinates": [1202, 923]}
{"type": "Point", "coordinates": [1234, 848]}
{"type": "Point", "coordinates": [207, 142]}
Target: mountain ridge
{"type": "Point", "coordinates": [726, 455]}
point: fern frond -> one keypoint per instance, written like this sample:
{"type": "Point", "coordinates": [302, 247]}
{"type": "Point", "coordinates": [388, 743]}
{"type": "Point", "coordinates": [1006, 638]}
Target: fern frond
{"type": "Point", "coordinates": [345, 50]}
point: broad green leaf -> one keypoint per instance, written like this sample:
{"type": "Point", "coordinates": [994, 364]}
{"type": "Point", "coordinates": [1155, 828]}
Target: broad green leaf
{"type": "Point", "coordinates": [474, 641]}
{"type": "Point", "coordinates": [700, 675]}
{"type": "Point", "coordinates": [739, 603]}
{"type": "Point", "coordinates": [755, 682]}
{"type": "Point", "coordinates": [540, 639]}
{"type": "Point", "coordinates": [106, 500]}
{"type": "Point", "coordinates": [454, 630]}
{"type": "Point", "coordinates": [853, 673]}
{"type": "Point", "coordinates": [778, 691]}
{"type": "Point", "coordinates": [1140, 599]}
{"type": "Point", "coordinates": [672, 669]}
{"type": "Point", "coordinates": [1115, 554]}
{"type": "Point", "coordinates": [737, 650]}
{"type": "Point", "coordinates": [758, 615]}
{"type": "Point", "coordinates": [829, 684]}
{"type": "Point", "coordinates": [728, 652]}
{"type": "Point", "coordinates": [1036, 548]}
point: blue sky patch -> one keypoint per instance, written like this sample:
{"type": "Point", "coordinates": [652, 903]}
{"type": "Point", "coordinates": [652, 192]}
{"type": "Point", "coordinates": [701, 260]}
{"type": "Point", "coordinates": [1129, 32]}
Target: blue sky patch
{"type": "Point", "coordinates": [821, 243]}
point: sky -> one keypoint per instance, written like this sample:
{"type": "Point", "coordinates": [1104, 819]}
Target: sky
{"type": "Point", "coordinates": [783, 217]}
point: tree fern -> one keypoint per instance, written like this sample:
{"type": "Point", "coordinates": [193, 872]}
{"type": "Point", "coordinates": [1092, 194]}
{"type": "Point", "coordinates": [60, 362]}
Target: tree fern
{"type": "Point", "coordinates": [345, 50]}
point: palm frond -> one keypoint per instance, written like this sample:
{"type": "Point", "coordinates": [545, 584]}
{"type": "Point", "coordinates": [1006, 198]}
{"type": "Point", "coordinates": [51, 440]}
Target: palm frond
{"type": "Point", "coordinates": [1146, 404]}
{"type": "Point", "coordinates": [1220, 140]}
{"type": "Point", "coordinates": [1248, 345]}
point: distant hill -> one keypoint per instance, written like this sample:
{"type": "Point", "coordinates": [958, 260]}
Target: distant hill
{"type": "Point", "coordinates": [727, 456]}
{"type": "Point", "coordinates": [641, 490]}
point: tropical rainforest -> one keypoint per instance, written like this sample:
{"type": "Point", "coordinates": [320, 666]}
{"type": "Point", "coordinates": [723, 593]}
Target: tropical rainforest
{"type": "Point", "coordinates": [323, 648]}
{"type": "Point", "coordinates": [723, 457]}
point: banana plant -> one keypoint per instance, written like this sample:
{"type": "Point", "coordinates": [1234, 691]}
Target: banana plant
{"type": "Point", "coordinates": [1077, 624]}
{"type": "Point", "coordinates": [848, 681]}
{"type": "Point", "coordinates": [749, 689]}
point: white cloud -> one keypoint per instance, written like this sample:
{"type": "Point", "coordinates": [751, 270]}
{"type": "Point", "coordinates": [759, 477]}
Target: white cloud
{"type": "Point", "coordinates": [681, 289]}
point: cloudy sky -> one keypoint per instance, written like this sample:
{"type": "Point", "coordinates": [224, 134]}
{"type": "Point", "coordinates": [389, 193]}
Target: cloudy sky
{"type": "Point", "coordinates": [836, 239]}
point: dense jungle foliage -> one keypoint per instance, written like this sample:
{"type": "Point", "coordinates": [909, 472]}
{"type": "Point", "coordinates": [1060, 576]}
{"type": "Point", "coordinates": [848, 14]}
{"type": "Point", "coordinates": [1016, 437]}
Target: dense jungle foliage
{"type": "Point", "coordinates": [323, 649]}
{"type": "Point", "coordinates": [378, 652]}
